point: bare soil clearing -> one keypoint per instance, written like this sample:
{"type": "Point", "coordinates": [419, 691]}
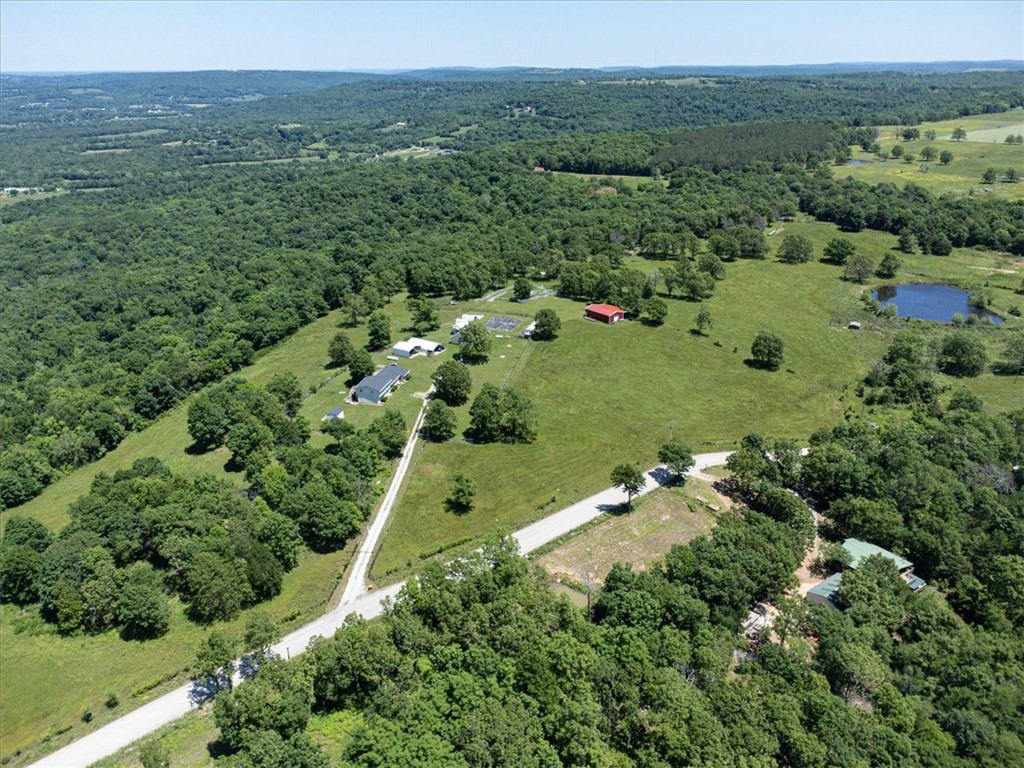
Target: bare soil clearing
{"type": "Point", "coordinates": [667, 517]}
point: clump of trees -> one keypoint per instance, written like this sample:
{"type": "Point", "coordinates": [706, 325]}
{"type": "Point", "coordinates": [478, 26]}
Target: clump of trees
{"type": "Point", "coordinates": [504, 416]}
{"type": "Point", "coordinates": [548, 325]}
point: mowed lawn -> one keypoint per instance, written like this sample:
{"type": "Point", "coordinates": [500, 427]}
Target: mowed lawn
{"type": "Point", "coordinates": [983, 148]}
{"type": "Point", "coordinates": [611, 394]}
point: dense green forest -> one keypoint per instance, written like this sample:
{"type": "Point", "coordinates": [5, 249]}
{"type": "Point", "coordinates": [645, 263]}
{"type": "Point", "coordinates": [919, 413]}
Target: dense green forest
{"type": "Point", "coordinates": [197, 220]}
{"type": "Point", "coordinates": [480, 664]}
{"type": "Point", "coordinates": [92, 131]}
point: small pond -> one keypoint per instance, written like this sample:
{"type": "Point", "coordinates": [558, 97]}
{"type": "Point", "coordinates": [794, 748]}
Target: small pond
{"type": "Point", "coordinates": [927, 301]}
{"type": "Point", "coordinates": [858, 162]}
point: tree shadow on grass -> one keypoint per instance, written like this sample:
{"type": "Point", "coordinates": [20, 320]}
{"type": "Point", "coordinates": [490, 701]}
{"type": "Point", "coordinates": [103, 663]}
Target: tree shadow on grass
{"type": "Point", "coordinates": [758, 365]}
{"type": "Point", "coordinates": [456, 508]}
{"type": "Point", "coordinates": [697, 332]}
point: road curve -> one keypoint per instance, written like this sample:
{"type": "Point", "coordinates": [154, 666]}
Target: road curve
{"type": "Point", "coordinates": [150, 717]}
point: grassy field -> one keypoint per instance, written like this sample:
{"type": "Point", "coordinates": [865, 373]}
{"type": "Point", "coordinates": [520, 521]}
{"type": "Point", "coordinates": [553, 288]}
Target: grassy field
{"type": "Point", "coordinates": [49, 681]}
{"type": "Point", "coordinates": [659, 521]}
{"type": "Point", "coordinates": [982, 149]}
{"type": "Point", "coordinates": [605, 395]}
{"type": "Point", "coordinates": [35, 703]}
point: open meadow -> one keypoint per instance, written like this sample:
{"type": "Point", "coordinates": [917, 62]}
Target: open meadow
{"type": "Point", "coordinates": [983, 148]}
{"type": "Point", "coordinates": [659, 521]}
{"type": "Point", "coordinates": [605, 395]}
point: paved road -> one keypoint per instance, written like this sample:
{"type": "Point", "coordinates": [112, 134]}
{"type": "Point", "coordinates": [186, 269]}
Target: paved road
{"type": "Point", "coordinates": [356, 584]}
{"type": "Point", "coordinates": [169, 707]}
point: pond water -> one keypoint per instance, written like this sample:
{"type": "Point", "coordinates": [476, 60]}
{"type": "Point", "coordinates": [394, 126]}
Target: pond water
{"type": "Point", "coordinates": [858, 162]}
{"type": "Point", "coordinates": [927, 301]}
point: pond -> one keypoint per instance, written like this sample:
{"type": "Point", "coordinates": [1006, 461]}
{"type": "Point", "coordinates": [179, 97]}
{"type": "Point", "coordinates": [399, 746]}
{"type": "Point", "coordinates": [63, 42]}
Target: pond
{"type": "Point", "coordinates": [927, 301]}
{"type": "Point", "coordinates": [858, 162]}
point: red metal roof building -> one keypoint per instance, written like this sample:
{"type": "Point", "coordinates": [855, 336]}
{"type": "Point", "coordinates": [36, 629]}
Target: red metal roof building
{"type": "Point", "coordinates": [606, 313]}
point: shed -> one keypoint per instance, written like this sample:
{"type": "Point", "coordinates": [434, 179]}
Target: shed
{"type": "Point", "coordinates": [606, 313]}
{"type": "Point", "coordinates": [825, 592]}
{"type": "Point", "coordinates": [334, 413]}
{"type": "Point", "coordinates": [854, 325]}
{"type": "Point", "coordinates": [528, 330]}
{"type": "Point", "coordinates": [373, 389]}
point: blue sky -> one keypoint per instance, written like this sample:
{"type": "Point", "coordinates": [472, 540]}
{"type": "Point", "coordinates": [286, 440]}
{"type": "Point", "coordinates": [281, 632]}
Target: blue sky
{"type": "Point", "coordinates": [187, 35]}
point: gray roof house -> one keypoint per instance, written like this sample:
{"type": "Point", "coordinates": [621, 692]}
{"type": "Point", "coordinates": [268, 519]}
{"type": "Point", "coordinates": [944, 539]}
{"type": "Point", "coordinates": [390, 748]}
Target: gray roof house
{"type": "Point", "coordinates": [373, 389]}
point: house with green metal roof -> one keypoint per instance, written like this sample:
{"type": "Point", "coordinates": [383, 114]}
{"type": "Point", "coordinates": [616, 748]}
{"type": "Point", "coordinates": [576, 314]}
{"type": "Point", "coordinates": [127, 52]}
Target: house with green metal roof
{"type": "Point", "coordinates": [824, 593]}
{"type": "Point", "coordinates": [860, 550]}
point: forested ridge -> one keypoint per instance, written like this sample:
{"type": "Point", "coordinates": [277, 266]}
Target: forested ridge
{"type": "Point", "coordinates": [49, 143]}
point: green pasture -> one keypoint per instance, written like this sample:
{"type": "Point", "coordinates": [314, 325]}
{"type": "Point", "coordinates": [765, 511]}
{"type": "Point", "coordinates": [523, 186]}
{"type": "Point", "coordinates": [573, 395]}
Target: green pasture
{"type": "Point", "coordinates": [980, 128]}
{"type": "Point", "coordinates": [983, 148]}
{"type": "Point", "coordinates": [603, 394]}
{"type": "Point", "coordinates": [49, 682]}
{"type": "Point", "coordinates": [609, 394]}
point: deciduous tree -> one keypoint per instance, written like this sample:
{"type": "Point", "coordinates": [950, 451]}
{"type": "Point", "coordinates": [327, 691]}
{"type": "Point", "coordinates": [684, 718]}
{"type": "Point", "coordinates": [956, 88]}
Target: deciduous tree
{"type": "Point", "coordinates": [859, 267]}
{"type": "Point", "coordinates": [962, 354]}
{"type": "Point", "coordinates": [677, 458]}
{"type": "Point", "coordinates": [767, 351]}
{"type": "Point", "coordinates": [521, 289]}
{"type": "Point", "coordinates": [548, 325]}
{"type": "Point", "coordinates": [378, 325]}
{"type": "Point", "coordinates": [704, 321]}
{"type": "Point", "coordinates": [796, 249]}
{"type": "Point", "coordinates": [461, 492]}
{"type": "Point", "coordinates": [630, 479]}
{"type": "Point", "coordinates": [439, 421]}
{"type": "Point", "coordinates": [452, 382]}
{"type": "Point", "coordinates": [838, 250]}
{"type": "Point", "coordinates": [476, 343]}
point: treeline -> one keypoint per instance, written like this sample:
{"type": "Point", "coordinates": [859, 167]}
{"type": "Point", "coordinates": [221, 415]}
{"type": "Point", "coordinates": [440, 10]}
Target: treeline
{"type": "Point", "coordinates": [478, 663]}
{"type": "Point", "coordinates": [937, 223]}
{"type": "Point", "coordinates": [735, 146]}
{"type": "Point", "coordinates": [143, 535]}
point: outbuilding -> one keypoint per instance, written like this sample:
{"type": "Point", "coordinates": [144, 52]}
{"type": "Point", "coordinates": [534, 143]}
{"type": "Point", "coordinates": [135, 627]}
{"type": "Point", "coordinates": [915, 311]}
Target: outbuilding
{"type": "Point", "coordinates": [373, 389]}
{"type": "Point", "coordinates": [415, 346]}
{"type": "Point", "coordinates": [334, 413]}
{"type": "Point", "coordinates": [461, 322]}
{"type": "Point", "coordinates": [605, 313]}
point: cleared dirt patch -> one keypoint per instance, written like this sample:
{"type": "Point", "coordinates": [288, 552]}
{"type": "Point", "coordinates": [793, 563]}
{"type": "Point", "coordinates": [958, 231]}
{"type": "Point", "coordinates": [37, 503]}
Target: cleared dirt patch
{"type": "Point", "coordinates": [666, 517]}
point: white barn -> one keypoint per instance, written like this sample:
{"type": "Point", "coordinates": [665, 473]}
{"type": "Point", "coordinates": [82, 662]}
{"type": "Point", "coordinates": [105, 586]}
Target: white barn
{"type": "Point", "coordinates": [414, 346]}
